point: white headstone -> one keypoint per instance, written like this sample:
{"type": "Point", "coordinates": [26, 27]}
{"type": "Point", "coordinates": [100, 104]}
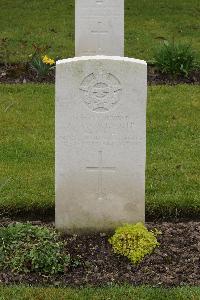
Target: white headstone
{"type": "Point", "coordinates": [100, 142]}
{"type": "Point", "coordinates": [99, 27]}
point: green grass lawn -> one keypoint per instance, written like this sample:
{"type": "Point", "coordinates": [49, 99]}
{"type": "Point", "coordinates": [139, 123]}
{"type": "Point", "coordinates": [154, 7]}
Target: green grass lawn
{"type": "Point", "coordinates": [112, 293]}
{"type": "Point", "coordinates": [173, 153]}
{"type": "Point", "coordinates": [27, 146]}
{"type": "Point", "coordinates": [51, 23]}
{"type": "Point", "coordinates": [27, 149]}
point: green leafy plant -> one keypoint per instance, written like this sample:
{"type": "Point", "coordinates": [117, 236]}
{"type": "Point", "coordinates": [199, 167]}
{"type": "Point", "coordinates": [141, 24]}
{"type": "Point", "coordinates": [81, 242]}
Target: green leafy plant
{"type": "Point", "coordinates": [175, 59]}
{"type": "Point", "coordinates": [134, 241]}
{"type": "Point", "coordinates": [27, 248]}
{"type": "Point", "coordinates": [42, 64]}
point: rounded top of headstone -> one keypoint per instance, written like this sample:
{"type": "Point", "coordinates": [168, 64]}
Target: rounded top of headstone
{"type": "Point", "coordinates": [101, 57]}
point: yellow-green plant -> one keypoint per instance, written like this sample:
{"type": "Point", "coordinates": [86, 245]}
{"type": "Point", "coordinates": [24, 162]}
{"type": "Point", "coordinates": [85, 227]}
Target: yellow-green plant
{"type": "Point", "coordinates": [134, 241]}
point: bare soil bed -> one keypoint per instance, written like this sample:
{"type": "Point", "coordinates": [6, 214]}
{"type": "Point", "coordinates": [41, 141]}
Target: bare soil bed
{"type": "Point", "coordinates": [21, 73]}
{"type": "Point", "coordinates": [175, 262]}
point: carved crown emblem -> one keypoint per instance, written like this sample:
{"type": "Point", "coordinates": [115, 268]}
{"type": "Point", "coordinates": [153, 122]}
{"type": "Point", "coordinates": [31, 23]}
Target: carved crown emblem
{"type": "Point", "coordinates": [101, 91]}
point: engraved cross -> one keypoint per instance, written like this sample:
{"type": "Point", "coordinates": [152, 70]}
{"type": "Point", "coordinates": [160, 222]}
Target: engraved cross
{"type": "Point", "coordinates": [100, 168]}
{"type": "Point", "coordinates": [99, 1]}
{"type": "Point", "coordinates": [99, 28]}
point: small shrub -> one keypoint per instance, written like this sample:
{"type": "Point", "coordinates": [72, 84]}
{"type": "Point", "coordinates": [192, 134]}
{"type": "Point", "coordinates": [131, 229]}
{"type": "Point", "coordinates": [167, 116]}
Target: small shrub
{"type": "Point", "coordinates": [27, 248]}
{"type": "Point", "coordinates": [134, 241]}
{"type": "Point", "coordinates": [175, 59]}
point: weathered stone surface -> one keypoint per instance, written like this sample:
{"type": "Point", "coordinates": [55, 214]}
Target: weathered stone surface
{"type": "Point", "coordinates": [99, 27]}
{"type": "Point", "coordinates": [100, 142]}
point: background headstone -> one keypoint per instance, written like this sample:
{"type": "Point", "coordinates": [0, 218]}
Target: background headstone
{"type": "Point", "coordinates": [99, 27]}
{"type": "Point", "coordinates": [100, 142]}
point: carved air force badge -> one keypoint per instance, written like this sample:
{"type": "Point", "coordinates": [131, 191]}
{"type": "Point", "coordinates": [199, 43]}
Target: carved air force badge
{"type": "Point", "coordinates": [101, 91]}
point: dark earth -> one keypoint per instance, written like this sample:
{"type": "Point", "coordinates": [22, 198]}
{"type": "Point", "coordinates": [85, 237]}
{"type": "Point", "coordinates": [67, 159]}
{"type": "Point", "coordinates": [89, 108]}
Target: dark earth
{"type": "Point", "coordinates": [22, 73]}
{"type": "Point", "coordinates": [175, 262]}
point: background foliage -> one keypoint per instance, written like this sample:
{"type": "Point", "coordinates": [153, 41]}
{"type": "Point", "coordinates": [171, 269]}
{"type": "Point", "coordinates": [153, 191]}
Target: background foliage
{"type": "Point", "coordinates": [50, 23]}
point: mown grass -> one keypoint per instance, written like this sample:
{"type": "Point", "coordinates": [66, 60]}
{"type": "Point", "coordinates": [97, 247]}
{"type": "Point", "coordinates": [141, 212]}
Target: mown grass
{"type": "Point", "coordinates": [51, 23]}
{"type": "Point", "coordinates": [27, 146]}
{"type": "Point", "coordinates": [114, 293]}
{"type": "Point", "coordinates": [173, 161]}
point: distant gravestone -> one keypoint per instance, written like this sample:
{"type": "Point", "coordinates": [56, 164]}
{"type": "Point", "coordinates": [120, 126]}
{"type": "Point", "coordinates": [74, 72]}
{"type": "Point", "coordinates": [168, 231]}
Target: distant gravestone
{"type": "Point", "coordinates": [100, 142]}
{"type": "Point", "coordinates": [99, 28]}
